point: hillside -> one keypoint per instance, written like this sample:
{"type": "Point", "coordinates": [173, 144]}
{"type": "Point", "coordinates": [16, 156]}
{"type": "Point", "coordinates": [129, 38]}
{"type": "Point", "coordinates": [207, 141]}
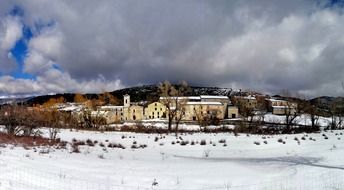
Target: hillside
{"type": "Point", "coordinates": [139, 93]}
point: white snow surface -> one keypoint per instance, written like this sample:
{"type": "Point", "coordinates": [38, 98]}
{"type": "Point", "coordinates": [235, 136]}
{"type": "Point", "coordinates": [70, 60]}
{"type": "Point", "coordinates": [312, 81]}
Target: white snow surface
{"type": "Point", "coordinates": [239, 165]}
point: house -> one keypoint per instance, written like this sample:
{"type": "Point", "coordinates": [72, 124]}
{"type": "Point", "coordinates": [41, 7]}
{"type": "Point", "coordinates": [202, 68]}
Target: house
{"type": "Point", "coordinates": [281, 107]}
{"type": "Point", "coordinates": [199, 110]}
{"type": "Point", "coordinates": [246, 102]}
{"type": "Point", "coordinates": [155, 110]}
{"type": "Point", "coordinates": [233, 112]}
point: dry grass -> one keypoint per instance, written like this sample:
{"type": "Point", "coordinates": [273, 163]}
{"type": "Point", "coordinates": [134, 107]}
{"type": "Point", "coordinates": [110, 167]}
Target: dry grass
{"type": "Point", "coordinates": [27, 141]}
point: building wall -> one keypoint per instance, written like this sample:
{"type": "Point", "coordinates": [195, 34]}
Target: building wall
{"type": "Point", "coordinates": [223, 101]}
{"type": "Point", "coordinates": [136, 113]}
{"type": "Point", "coordinates": [233, 112]}
{"type": "Point", "coordinates": [247, 102]}
{"type": "Point", "coordinates": [155, 110]}
{"type": "Point", "coordinates": [199, 111]}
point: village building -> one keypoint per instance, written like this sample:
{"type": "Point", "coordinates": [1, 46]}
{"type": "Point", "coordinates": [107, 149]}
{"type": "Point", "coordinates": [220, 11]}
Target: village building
{"type": "Point", "coordinates": [155, 110]}
{"type": "Point", "coordinates": [199, 110]}
{"type": "Point", "coordinates": [281, 107]}
{"type": "Point", "coordinates": [233, 112]}
{"type": "Point", "coordinates": [246, 102]}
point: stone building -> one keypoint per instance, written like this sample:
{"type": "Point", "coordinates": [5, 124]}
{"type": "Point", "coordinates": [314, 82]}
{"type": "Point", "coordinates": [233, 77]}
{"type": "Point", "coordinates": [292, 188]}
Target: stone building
{"type": "Point", "coordinates": [281, 107]}
{"type": "Point", "coordinates": [155, 110]}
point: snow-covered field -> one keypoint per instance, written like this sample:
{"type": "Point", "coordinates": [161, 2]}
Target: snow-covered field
{"type": "Point", "coordinates": [240, 164]}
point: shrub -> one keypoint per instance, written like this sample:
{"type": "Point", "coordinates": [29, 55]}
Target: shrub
{"type": "Point", "coordinates": [280, 140]}
{"type": "Point", "coordinates": [224, 144]}
{"type": "Point", "coordinates": [89, 142]}
{"type": "Point", "coordinates": [161, 144]}
{"type": "Point", "coordinates": [303, 138]}
{"type": "Point", "coordinates": [156, 139]}
{"type": "Point", "coordinates": [183, 143]}
{"type": "Point", "coordinates": [265, 142]}
{"type": "Point", "coordinates": [173, 142]}
{"type": "Point", "coordinates": [192, 142]}
{"type": "Point", "coordinates": [203, 142]}
{"type": "Point", "coordinates": [134, 142]}
{"type": "Point", "coordinates": [75, 148]}
{"type": "Point", "coordinates": [256, 143]}
{"type": "Point", "coordinates": [101, 144]}
{"type": "Point", "coordinates": [222, 141]}
{"type": "Point", "coordinates": [101, 156]}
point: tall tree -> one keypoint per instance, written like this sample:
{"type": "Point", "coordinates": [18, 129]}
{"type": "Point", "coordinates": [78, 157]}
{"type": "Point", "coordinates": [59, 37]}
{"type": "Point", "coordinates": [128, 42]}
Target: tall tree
{"type": "Point", "coordinates": [171, 97]}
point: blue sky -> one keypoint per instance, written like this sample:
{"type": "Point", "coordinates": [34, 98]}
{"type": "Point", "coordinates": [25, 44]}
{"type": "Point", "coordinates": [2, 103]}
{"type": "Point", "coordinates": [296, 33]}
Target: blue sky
{"type": "Point", "coordinates": [88, 46]}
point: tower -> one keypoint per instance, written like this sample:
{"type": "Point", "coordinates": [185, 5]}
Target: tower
{"type": "Point", "coordinates": [126, 100]}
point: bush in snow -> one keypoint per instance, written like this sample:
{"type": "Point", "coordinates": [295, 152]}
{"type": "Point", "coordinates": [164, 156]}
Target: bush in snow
{"type": "Point", "coordinates": [101, 156]}
{"type": "Point", "coordinates": [265, 142]}
{"type": "Point", "coordinates": [89, 142]}
{"type": "Point", "coordinates": [161, 144]}
{"type": "Point", "coordinates": [206, 153]}
{"type": "Point", "coordinates": [256, 143]}
{"type": "Point", "coordinates": [101, 144]}
{"type": "Point", "coordinates": [183, 143]}
{"type": "Point", "coordinates": [203, 142]}
{"type": "Point", "coordinates": [303, 138]}
{"type": "Point", "coordinates": [222, 141]}
{"type": "Point", "coordinates": [156, 139]}
{"type": "Point", "coordinates": [224, 144]}
{"type": "Point", "coordinates": [280, 140]}
{"type": "Point", "coordinates": [75, 148]}
{"type": "Point", "coordinates": [134, 142]}
{"type": "Point", "coordinates": [192, 142]}
{"type": "Point", "coordinates": [173, 142]}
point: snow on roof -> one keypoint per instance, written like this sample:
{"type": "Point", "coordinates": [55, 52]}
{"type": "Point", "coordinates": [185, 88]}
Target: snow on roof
{"type": "Point", "coordinates": [275, 100]}
{"type": "Point", "coordinates": [99, 113]}
{"type": "Point", "coordinates": [249, 97]}
{"type": "Point", "coordinates": [213, 97]}
{"type": "Point", "coordinates": [280, 107]}
{"type": "Point", "coordinates": [204, 103]}
{"type": "Point", "coordinates": [110, 107]}
{"type": "Point", "coordinates": [182, 97]}
{"type": "Point", "coordinates": [71, 108]}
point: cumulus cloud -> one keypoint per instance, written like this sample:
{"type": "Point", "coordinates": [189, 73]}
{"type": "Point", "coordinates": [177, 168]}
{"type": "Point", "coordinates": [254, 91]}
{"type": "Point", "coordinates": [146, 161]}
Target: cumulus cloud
{"type": "Point", "coordinates": [10, 33]}
{"type": "Point", "coordinates": [261, 45]}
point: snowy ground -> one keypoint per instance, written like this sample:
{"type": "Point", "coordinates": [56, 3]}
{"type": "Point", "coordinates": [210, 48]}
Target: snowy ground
{"type": "Point", "coordinates": [239, 165]}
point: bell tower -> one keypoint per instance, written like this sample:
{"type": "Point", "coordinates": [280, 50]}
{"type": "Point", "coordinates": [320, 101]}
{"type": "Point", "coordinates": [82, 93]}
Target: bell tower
{"type": "Point", "coordinates": [126, 100]}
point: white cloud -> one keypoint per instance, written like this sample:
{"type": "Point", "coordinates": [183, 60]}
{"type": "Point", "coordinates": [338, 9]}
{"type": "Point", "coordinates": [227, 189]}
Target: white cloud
{"type": "Point", "coordinates": [265, 45]}
{"type": "Point", "coordinates": [10, 33]}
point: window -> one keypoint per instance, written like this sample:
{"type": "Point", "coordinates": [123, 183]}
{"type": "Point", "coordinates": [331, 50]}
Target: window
{"type": "Point", "coordinates": [155, 109]}
{"type": "Point", "coordinates": [156, 104]}
{"type": "Point", "coordinates": [233, 115]}
{"type": "Point", "coordinates": [134, 110]}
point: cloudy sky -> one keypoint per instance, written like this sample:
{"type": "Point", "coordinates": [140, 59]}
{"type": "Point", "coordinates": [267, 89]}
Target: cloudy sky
{"type": "Point", "coordinates": [92, 46]}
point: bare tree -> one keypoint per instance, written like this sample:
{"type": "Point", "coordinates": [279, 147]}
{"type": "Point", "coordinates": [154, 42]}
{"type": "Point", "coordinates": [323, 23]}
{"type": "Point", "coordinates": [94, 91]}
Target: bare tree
{"type": "Point", "coordinates": [291, 111]}
{"type": "Point", "coordinates": [175, 105]}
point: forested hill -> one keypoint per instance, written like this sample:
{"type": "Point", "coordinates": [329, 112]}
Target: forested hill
{"type": "Point", "coordinates": [137, 94]}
